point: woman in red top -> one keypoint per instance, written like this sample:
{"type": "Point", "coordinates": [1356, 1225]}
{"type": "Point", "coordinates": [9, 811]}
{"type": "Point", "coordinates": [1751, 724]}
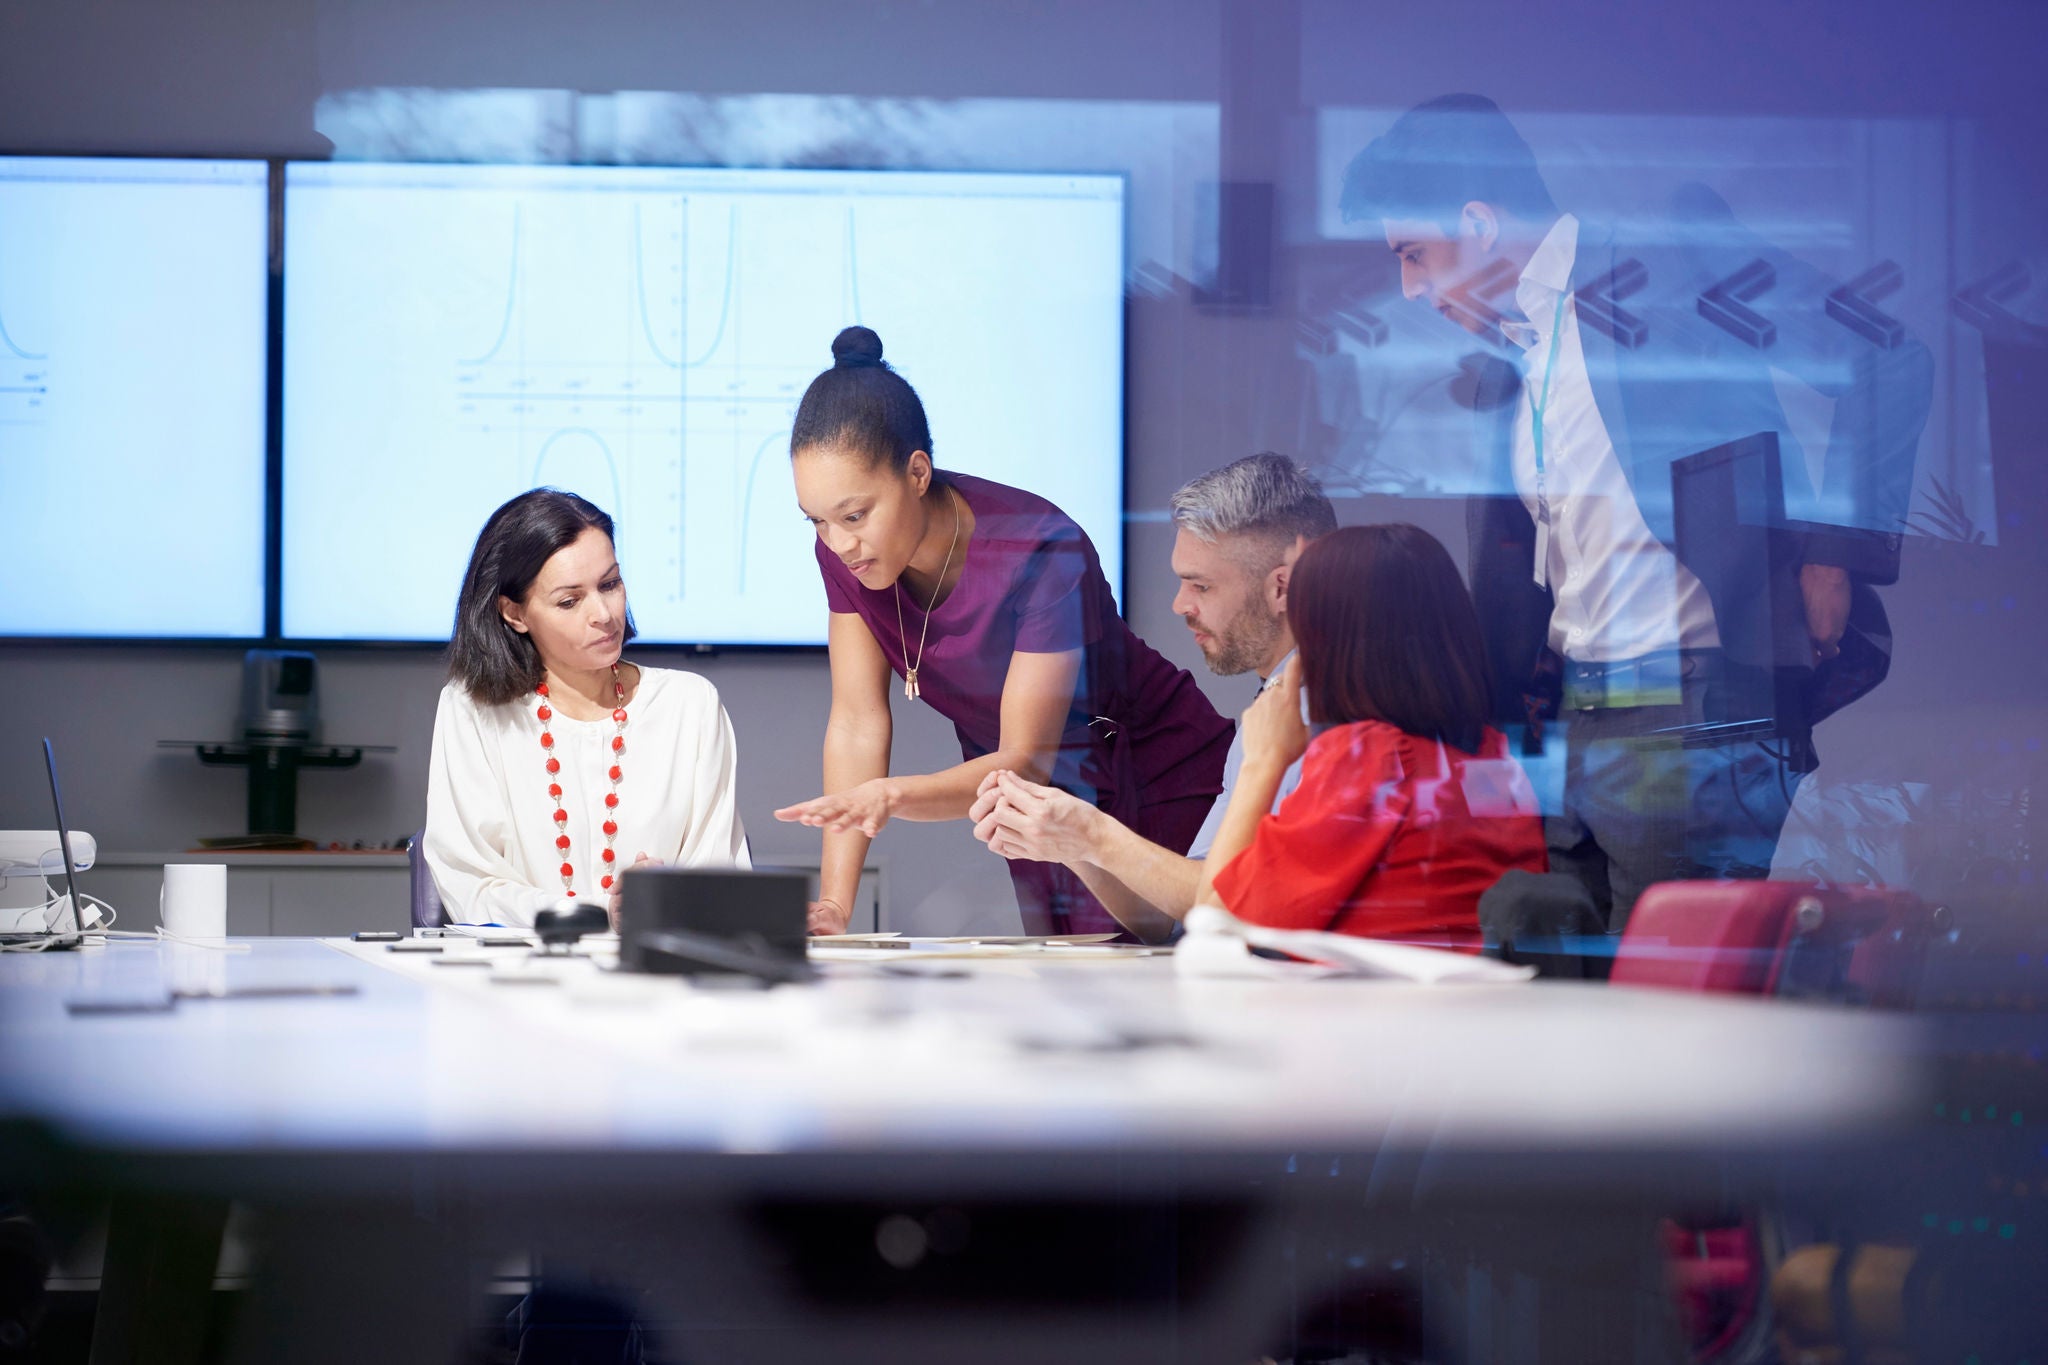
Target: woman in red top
{"type": "Point", "coordinates": [1409, 806]}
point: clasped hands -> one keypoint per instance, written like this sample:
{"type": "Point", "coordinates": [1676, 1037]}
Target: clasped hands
{"type": "Point", "coordinates": [1018, 818]}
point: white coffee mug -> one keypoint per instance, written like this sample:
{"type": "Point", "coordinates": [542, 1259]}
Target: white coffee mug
{"type": "Point", "coordinates": [194, 901]}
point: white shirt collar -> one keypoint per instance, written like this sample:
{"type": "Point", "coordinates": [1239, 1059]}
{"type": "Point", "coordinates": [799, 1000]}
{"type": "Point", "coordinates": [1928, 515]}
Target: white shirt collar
{"type": "Point", "coordinates": [1548, 275]}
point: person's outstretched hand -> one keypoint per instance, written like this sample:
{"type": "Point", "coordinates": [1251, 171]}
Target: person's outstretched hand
{"type": "Point", "coordinates": [866, 808]}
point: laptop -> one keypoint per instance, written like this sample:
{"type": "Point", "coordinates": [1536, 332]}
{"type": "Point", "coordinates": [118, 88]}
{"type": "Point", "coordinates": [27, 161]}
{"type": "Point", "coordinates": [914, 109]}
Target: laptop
{"type": "Point", "coordinates": [69, 931]}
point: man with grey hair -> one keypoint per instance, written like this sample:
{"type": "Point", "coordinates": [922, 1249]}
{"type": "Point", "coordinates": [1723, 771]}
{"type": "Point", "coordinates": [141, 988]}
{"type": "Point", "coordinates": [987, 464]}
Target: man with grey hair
{"type": "Point", "coordinates": [1239, 529]}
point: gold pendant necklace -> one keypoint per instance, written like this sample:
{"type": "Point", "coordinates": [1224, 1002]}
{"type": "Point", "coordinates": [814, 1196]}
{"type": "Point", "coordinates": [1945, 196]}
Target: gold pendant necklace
{"type": "Point", "coordinates": [910, 688]}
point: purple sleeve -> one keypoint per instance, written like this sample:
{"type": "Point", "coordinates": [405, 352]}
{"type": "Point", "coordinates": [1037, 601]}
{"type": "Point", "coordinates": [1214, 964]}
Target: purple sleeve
{"type": "Point", "coordinates": [838, 597]}
{"type": "Point", "coordinates": [1051, 612]}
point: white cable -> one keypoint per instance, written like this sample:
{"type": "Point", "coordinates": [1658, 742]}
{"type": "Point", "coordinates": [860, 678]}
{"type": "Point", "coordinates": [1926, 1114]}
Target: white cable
{"type": "Point", "coordinates": [53, 936]}
{"type": "Point", "coordinates": [111, 913]}
{"type": "Point", "coordinates": [105, 930]}
{"type": "Point", "coordinates": [101, 930]}
{"type": "Point", "coordinates": [219, 945]}
{"type": "Point", "coordinates": [156, 935]}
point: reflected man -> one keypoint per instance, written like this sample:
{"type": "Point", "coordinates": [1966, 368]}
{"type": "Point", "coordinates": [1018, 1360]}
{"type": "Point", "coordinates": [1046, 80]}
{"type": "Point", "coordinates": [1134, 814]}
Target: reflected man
{"type": "Point", "coordinates": [1588, 596]}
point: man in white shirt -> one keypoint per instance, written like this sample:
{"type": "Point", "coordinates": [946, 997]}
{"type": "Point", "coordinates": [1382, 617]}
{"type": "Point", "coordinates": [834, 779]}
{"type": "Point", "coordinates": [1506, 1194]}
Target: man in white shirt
{"type": "Point", "coordinates": [1577, 573]}
{"type": "Point", "coordinates": [1239, 529]}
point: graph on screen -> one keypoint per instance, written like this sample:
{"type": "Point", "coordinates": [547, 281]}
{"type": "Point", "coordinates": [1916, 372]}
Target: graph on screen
{"type": "Point", "coordinates": [133, 326]}
{"type": "Point", "coordinates": [455, 335]}
{"type": "Point", "coordinates": [24, 375]}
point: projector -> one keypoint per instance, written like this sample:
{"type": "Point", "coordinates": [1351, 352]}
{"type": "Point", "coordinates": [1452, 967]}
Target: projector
{"type": "Point", "coordinates": [31, 871]}
{"type": "Point", "coordinates": [278, 698]}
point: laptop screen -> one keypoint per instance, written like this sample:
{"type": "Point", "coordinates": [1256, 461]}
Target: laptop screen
{"type": "Point", "coordinates": [63, 843]}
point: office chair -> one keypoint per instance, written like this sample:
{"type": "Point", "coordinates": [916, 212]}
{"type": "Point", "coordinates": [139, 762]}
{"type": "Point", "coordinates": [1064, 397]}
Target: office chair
{"type": "Point", "coordinates": [1848, 944]}
{"type": "Point", "coordinates": [1546, 920]}
{"type": "Point", "coordinates": [427, 910]}
{"type": "Point", "coordinates": [1861, 945]}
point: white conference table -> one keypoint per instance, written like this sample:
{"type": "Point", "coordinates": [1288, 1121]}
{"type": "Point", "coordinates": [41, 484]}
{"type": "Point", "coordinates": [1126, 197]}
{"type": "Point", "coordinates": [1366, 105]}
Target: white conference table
{"type": "Point", "coordinates": [735, 1153]}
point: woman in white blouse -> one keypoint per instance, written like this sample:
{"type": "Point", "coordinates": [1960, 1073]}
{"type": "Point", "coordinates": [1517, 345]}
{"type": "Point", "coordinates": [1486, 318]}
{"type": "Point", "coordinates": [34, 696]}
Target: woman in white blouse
{"type": "Point", "coordinates": [556, 764]}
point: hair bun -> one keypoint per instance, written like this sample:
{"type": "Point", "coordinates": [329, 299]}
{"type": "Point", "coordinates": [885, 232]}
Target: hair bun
{"type": "Point", "coordinates": [855, 348]}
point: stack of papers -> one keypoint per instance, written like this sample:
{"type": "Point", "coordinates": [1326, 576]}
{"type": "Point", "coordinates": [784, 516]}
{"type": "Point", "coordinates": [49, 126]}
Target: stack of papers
{"type": "Point", "coordinates": [888, 946]}
{"type": "Point", "coordinates": [1220, 944]}
{"type": "Point", "coordinates": [894, 946]}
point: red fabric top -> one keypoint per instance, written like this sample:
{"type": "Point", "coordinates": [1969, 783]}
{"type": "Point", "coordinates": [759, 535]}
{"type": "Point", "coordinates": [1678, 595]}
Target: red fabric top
{"type": "Point", "coordinates": [1139, 730]}
{"type": "Point", "coordinates": [1388, 836]}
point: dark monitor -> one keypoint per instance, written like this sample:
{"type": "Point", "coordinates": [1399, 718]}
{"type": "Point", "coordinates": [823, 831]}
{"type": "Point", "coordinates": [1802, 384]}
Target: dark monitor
{"type": "Point", "coordinates": [2016, 403]}
{"type": "Point", "coordinates": [1728, 510]}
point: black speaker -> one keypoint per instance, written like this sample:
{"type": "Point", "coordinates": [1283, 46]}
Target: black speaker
{"type": "Point", "coordinates": [1240, 275]}
{"type": "Point", "coordinates": [757, 914]}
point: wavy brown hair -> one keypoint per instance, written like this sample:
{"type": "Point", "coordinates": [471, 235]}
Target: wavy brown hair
{"type": "Point", "coordinates": [493, 661]}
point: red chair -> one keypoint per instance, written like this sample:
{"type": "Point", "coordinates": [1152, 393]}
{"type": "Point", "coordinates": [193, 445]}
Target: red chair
{"type": "Point", "coordinates": [1717, 1272]}
{"type": "Point", "coordinates": [1851, 944]}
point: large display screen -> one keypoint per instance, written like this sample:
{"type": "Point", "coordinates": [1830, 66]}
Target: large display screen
{"type": "Point", "coordinates": [457, 334]}
{"type": "Point", "coordinates": [133, 328]}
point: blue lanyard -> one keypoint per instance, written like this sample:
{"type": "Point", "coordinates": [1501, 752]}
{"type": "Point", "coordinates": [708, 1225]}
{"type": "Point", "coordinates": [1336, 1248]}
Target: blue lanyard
{"type": "Point", "coordinates": [1539, 406]}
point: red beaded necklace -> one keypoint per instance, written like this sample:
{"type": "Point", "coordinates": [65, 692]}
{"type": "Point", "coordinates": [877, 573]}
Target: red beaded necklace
{"type": "Point", "coordinates": [611, 798]}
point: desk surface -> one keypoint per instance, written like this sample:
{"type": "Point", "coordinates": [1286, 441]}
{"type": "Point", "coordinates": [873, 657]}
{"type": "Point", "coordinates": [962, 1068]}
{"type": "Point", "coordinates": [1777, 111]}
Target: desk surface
{"type": "Point", "coordinates": [1051, 1056]}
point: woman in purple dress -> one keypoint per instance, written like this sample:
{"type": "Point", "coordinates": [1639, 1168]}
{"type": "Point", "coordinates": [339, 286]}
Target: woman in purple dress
{"type": "Point", "coordinates": [990, 605]}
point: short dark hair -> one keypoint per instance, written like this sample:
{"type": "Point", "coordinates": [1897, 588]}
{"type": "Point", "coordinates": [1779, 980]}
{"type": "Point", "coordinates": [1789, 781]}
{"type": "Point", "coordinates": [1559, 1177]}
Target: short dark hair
{"type": "Point", "coordinates": [1387, 632]}
{"type": "Point", "coordinates": [1439, 157]}
{"type": "Point", "coordinates": [863, 404]}
{"type": "Point", "coordinates": [494, 662]}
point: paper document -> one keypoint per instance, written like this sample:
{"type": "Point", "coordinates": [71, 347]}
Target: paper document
{"type": "Point", "coordinates": [1219, 944]}
{"type": "Point", "coordinates": [934, 941]}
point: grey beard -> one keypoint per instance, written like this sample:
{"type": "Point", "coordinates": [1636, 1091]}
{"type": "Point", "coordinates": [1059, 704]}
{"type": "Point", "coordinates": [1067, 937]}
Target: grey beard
{"type": "Point", "coordinates": [1244, 646]}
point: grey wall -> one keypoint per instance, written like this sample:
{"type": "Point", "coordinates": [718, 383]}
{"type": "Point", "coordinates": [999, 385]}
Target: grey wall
{"type": "Point", "coordinates": [242, 77]}
{"type": "Point", "coordinates": [106, 708]}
